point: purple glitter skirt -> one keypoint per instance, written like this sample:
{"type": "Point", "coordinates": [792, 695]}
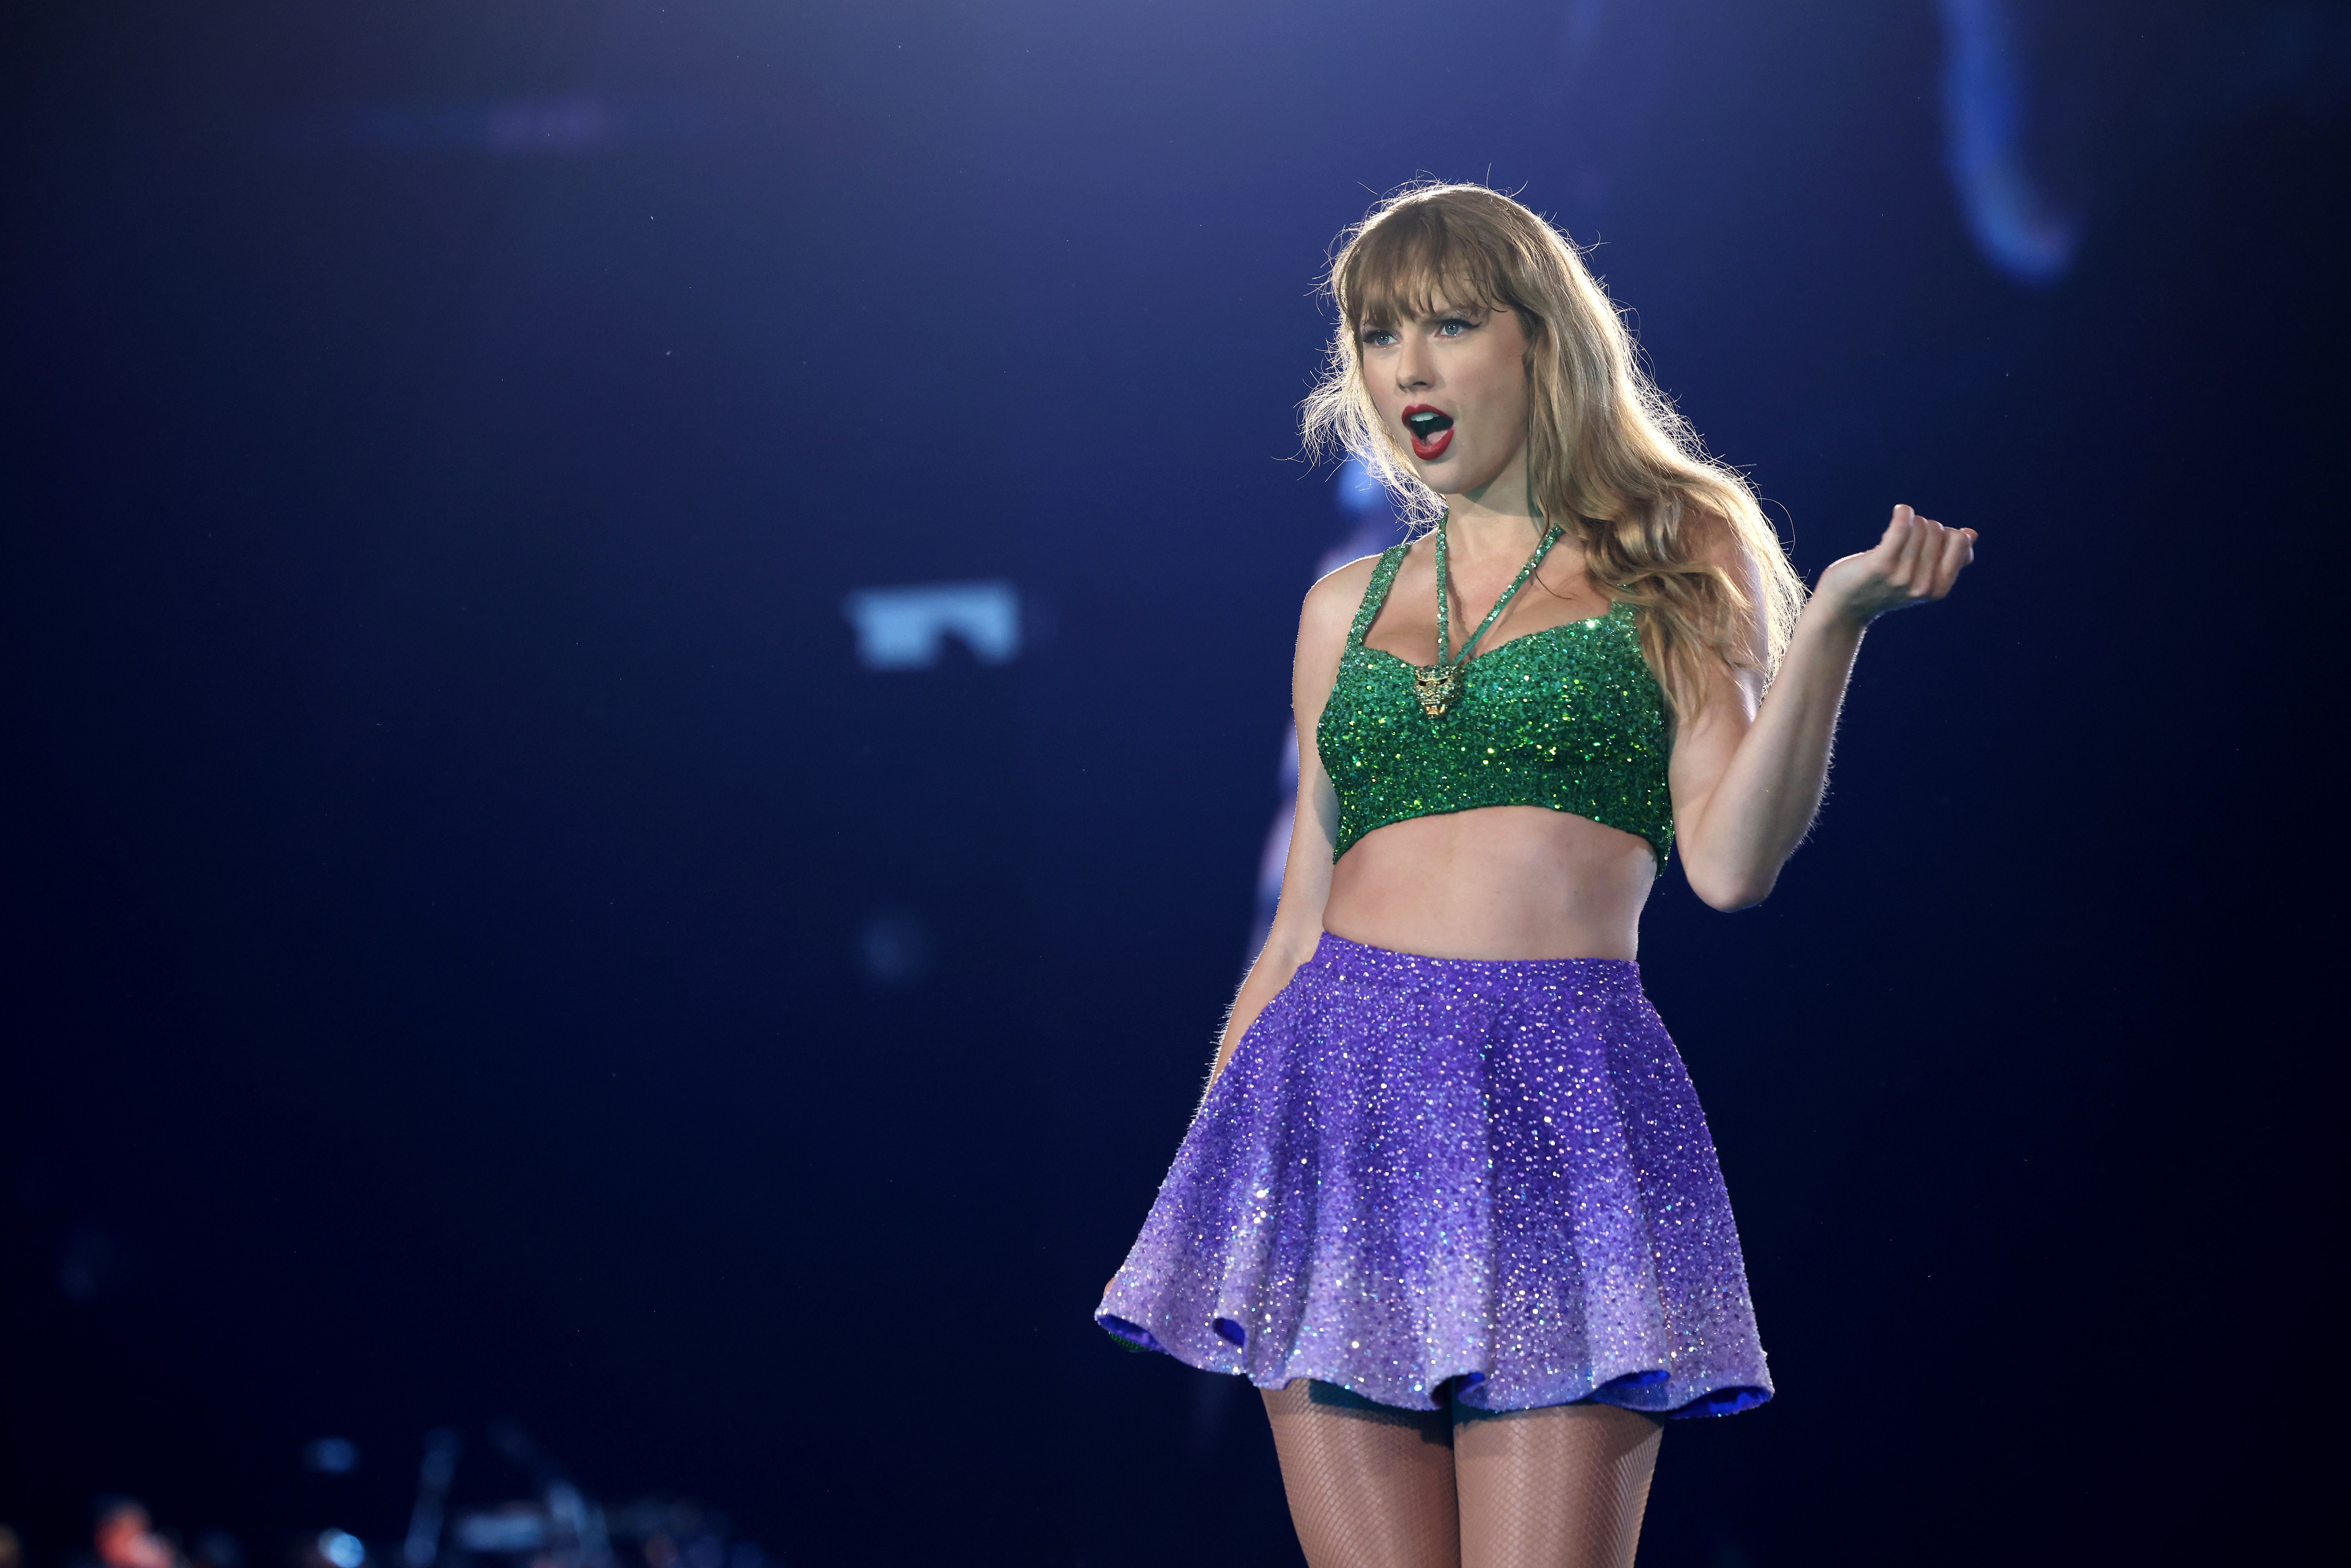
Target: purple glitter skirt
{"type": "Point", "coordinates": [1429, 1178]}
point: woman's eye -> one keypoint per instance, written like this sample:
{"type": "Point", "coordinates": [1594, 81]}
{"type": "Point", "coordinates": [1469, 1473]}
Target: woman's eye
{"type": "Point", "coordinates": [1452, 327]}
{"type": "Point", "coordinates": [1377, 337]}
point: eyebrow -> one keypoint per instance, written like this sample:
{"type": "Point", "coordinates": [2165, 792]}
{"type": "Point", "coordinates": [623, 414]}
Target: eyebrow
{"type": "Point", "coordinates": [1435, 313]}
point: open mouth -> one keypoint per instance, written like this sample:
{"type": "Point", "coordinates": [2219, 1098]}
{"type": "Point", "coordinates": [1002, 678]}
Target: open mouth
{"type": "Point", "coordinates": [1431, 430]}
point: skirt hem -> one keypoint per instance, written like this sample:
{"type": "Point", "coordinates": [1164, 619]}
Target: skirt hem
{"type": "Point", "coordinates": [1725, 1398]}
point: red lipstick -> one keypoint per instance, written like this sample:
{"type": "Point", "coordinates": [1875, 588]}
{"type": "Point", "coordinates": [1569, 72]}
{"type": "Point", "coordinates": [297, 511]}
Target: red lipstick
{"type": "Point", "coordinates": [1431, 429]}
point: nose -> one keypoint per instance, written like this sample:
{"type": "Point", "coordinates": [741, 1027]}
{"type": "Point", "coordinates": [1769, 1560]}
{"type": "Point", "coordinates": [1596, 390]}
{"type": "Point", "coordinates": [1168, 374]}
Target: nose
{"type": "Point", "coordinates": [1413, 370]}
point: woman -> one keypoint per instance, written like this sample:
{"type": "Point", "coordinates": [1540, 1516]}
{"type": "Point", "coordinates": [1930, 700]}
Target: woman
{"type": "Point", "coordinates": [1450, 1200]}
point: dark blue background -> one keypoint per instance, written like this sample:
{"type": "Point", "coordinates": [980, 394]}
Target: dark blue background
{"type": "Point", "coordinates": [442, 798]}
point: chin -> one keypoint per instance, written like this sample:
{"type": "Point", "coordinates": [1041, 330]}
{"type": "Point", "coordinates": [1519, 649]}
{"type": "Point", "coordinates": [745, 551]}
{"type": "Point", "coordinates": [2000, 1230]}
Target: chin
{"type": "Point", "coordinates": [1441, 473]}
{"type": "Point", "coordinates": [1449, 475]}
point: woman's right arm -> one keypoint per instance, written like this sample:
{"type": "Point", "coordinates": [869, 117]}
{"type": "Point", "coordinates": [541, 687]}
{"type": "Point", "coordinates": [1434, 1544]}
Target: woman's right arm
{"type": "Point", "coordinates": [1322, 626]}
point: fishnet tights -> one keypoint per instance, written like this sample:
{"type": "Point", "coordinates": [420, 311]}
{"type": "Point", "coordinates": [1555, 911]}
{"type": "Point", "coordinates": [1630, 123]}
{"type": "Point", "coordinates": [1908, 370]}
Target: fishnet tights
{"type": "Point", "coordinates": [1371, 1486]}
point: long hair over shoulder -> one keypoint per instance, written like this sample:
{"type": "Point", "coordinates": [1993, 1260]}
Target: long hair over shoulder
{"type": "Point", "coordinates": [1610, 460]}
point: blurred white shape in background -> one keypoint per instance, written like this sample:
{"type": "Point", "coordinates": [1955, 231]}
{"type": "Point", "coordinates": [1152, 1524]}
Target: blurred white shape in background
{"type": "Point", "coordinates": [904, 628]}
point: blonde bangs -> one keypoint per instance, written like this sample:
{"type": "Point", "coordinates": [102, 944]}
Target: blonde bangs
{"type": "Point", "coordinates": [1409, 267]}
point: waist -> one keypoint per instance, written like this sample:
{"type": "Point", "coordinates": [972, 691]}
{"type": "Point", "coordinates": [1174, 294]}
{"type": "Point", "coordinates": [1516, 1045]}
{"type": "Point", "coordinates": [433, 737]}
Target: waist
{"type": "Point", "coordinates": [1341, 955]}
{"type": "Point", "coordinates": [1509, 884]}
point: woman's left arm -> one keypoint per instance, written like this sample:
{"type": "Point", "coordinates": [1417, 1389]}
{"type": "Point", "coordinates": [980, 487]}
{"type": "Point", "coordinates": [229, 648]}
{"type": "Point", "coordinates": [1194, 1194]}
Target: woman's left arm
{"type": "Point", "coordinates": [1747, 780]}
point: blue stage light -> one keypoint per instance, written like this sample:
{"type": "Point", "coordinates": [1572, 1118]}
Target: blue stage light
{"type": "Point", "coordinates": [332, 1455]}
{"type": "Point", "coordinates": [2020, 226]}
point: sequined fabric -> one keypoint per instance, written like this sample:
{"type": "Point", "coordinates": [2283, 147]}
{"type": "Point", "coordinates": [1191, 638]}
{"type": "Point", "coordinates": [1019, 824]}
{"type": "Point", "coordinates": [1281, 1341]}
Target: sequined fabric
{"type": "Point", "coordinates": [1421, 1178]}
{"type": "Point", "coordinates": [1568, 718]}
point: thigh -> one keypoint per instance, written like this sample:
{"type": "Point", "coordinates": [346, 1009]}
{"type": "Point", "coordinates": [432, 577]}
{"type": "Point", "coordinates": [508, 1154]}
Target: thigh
{"type": "Point", "coordinates": [1369, 1486]}
{"type": "Point", "coordinates": [1561, 1487]}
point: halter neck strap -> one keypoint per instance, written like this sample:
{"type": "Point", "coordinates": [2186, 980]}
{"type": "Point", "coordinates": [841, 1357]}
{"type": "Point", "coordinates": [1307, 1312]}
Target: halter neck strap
{"type": "Point", "coordinates": [1444, 594]}
{"type": "Point", "coordinates": [1376, 593]}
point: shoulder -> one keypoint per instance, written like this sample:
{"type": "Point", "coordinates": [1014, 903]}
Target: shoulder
{"type": "Point", "coordinates": [1323, 625]}
{"type": "Point", "coordinates": [1335, 597]}
{"type": "Point", "coordinates": [1739, 603]}
{"type": "Point", "coordinates": [1709, 537]}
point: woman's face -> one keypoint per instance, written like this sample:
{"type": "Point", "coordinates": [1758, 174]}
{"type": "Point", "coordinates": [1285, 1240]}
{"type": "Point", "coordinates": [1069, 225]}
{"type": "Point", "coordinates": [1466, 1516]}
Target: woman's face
{"type": "Point", "coordinates": [1451, 390]}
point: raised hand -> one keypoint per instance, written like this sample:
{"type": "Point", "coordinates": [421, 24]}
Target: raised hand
{"type": "Point", "coordinates": [1917, 562]}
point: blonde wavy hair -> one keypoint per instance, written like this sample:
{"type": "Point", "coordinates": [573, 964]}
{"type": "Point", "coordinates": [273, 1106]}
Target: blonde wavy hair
{"type": "Point", "coordinates": [1609, 459]}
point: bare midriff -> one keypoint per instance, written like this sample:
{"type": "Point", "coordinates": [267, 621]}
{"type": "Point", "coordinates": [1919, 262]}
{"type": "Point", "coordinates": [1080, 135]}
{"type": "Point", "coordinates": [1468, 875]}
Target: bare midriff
{"type": "Point", "coordinates": [1498, 882]}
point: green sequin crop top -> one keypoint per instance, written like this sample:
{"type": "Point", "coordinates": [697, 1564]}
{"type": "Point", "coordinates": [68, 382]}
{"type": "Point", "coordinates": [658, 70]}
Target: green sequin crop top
{"type": "Point", "coordinates": [1567, 717]}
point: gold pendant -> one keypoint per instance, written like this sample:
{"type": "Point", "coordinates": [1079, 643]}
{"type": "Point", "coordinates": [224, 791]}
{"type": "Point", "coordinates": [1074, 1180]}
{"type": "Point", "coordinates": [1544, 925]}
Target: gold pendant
{"type": "Point", "coordinates": [1436, 688]}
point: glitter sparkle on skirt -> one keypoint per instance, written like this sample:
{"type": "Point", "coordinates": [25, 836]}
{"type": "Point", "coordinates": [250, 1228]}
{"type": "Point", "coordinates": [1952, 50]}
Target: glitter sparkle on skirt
{"type": "Point", "coordinates": [1428, 1179]}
